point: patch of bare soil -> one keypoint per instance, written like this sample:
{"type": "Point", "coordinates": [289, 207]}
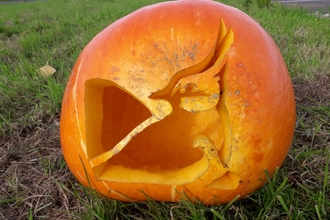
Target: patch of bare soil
{"type": "Point", "coordinates": [32, 165]}
{"type": "Point", "coordinates": [312, 133]}
{"type": "Point", "coordinates": [318, 91]}
{"type": "Point", "coordinates": [313, 110]}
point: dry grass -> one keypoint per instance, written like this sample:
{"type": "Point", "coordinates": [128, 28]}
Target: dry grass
{"type": "Point", "coordinates": [31, 161]}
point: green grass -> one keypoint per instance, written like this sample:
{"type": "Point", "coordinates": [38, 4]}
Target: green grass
{"type": "Point", "coordinates": [36, 184]}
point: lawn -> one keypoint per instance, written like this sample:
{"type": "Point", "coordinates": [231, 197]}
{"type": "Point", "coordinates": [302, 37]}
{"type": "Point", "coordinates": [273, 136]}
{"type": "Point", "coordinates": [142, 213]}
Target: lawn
{"type": "Point", "coordinates": [35, 182]}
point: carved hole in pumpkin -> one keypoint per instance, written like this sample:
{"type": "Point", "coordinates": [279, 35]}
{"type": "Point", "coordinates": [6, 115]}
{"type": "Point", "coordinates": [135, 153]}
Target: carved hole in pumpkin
{"type": "Point", "coordinates": [111, 114]}
{"type": "Point", "coordinates": [165, 145]}
{"type": "Point", "coordinates": [162, 153]}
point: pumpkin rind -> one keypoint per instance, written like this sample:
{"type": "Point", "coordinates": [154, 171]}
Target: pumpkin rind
{"type": "Point", "coordinates": [143, 54]}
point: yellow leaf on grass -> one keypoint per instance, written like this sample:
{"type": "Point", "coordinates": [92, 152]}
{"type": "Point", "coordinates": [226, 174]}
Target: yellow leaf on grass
{"type": "Point", "coordinates": [46, 70]}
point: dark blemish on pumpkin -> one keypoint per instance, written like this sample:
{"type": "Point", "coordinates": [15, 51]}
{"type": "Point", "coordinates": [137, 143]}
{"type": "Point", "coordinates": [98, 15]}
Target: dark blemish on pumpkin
{"type": "Point", "coordinates": [237, 92]}
{"type": "Point", "coordinates": [176, 57]}
{"type": "Point", "coordinates": [194, 46]}
{"type": "Point", "coordinates": [241, 181]}
{"type": "Point", "coordinates": [192, 56]}
{"type": "Point", "coordinates": [138, 79]}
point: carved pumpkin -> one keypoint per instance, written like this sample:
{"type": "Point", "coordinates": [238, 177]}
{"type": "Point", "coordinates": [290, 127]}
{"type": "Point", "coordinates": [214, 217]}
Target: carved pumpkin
{"type": "Point", "coordinates": [185, 96]}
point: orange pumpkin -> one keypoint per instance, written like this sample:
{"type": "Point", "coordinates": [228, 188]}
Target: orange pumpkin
{"type": "Point", "coordinates": [185, 96]}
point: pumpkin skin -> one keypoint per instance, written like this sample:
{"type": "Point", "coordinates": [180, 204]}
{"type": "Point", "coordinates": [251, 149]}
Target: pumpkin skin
{"type": "Point", "coordinates": [185, 96]}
